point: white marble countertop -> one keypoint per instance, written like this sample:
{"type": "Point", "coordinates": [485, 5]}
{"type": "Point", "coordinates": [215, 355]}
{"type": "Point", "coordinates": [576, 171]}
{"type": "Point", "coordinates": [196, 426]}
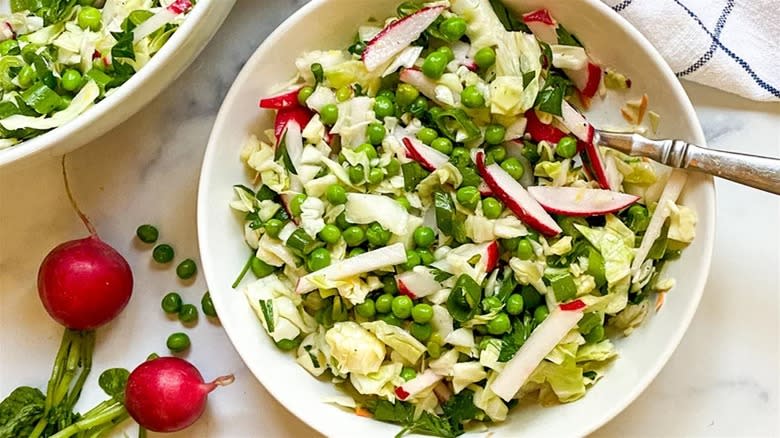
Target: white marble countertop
{"type": "Point", "coordinates": [722, 381]}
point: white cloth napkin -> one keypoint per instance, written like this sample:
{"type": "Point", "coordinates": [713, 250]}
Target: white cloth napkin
{"type": "Point", "coordinates": [733, 45]}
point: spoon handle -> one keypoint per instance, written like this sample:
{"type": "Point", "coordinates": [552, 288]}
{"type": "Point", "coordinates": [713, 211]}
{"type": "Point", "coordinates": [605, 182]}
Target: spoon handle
{"type": "Point", "coordinates": [751, 170]}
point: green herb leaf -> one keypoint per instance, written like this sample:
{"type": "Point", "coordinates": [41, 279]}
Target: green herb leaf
{"type": "Point", "coordinates": [567, 39]}
{"type": "Point", "coordinates": [413, 173]}
{"type": "Point", "coordinates": [124, 45]}
{"type": "Point", "coordinates": [507, 18]}
{"type": "Point", "coordinates": [528, 77]}
{"type": "Point", "coordinates": [460, 408]}
{"type": "Point", "coordinates": [20, 412]}
{"type": "Point", "coordinates": [521, 330]}
{"type": "Point", "coordinates": [550, 99]}
{"type": "Point", "coordinates": [464, 299]}
{"type": "Point", "coordinates": [450, 122]}
{"type": "Point", "coordinates": [113, 382]}
{"type": "Point", "coordinates": [445, 212]}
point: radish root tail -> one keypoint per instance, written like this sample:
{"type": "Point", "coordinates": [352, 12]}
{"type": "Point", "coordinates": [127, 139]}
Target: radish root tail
{"type": "Point", "coordinates": [84, 218]}
{"type": "Point", "coordinates": [224, 380]}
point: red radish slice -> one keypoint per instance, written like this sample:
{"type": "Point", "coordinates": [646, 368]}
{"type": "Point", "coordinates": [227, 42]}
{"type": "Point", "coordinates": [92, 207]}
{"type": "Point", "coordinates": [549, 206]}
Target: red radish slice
{"type": "Point", "coordinates": [586, 79]}
{"type": "Point", "coordinates": [516, 198]}
{"type": "Point", "coordinates": [491, 252]}
{"type": "Point", "coordinates": [576, 123]}
{"type": "Point", "coordinates": [542, 25]}
{"type": "Point", "coordinates": [397, 36]}
{"type": "Point", "coordinates": [286, 199]}
{"type": "Point", "coordinates": [417, 385]}
{"type": "Point", "coordinates": [417, 283]}
{"type": "Point", "coordinates": [484, 189]}
{"type": "Point", "coordinates": [298, 114]}
{"type": "Point", "coordinates": [285, 100]}
{"type": "Point", "coordinates": [160, 19]}
{"type": "Point", "coordinates": [542, 340]}
{"type": "Point", "coordinates": [428, 157]}
{"type": "Point", "coordinates": [577, 201]}
{"type": "Point", "coordinates": [360, 264]}
{"type": "Point", "coordinates": [418, 80]}
{"type": "Point", "coordinates": [594, 164]}
{"type": "Point", "coordinates": [541, 132]}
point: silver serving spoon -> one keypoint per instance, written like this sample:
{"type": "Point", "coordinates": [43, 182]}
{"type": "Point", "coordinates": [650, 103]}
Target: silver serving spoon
{"type": "Point", "coordinates": [758, 172]}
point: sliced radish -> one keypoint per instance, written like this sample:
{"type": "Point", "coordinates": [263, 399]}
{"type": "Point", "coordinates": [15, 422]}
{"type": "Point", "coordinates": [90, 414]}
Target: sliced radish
{"type": "Point", "coordinates": [397, 36]}
{"type": "Point", "coordinates": [593, 162]}
{"type": "Point", "coordinates": [540, 131]}
{"type": "Point", "coordinates": [294, 144]}
{"type": "Point", "coordinates": [542, 340]}
{"type": "Point", "coordinates": [491, 252]}
{"type": "Point", "coordinates": [285, 100]}
{"type": "Point", "coordinates": [360, 264]}
{"type": "Point", "coordinates": [542, 25]}
{"type": "Point", "coordinates": [484, 189]}
{"type": "Point", "coordinates": [516, 198]}
{"type": "Point", "coordinates": [428, 157]}
{"type": "Point", "coordinates": [418, 80]}
{"type": "Point", "coordinates": [365, 209]}
{"type": "Point", "coordinates": [423, 381]}
{"type": "Point", "coordinates": [160, 19]}
{"type": "Point", "coordinates": [299, 114]}
{"type": "Point", "coordinates": [575, 122]}
{"type": "Point", "coordinates": [586, 79]}
{"type": "Point", "coordinates": [577, 201]}
{"type": "Point", "coordinates": [417, 283]}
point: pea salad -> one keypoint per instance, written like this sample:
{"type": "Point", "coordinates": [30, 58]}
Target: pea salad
{"type": "Point", "coordinates": [433, 228]}
{"type": "Point", "coordinates": [60, 57]}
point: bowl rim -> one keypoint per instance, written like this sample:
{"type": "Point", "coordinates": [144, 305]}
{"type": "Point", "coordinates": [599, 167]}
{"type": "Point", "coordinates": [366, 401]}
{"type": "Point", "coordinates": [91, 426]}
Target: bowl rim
{"type": "Point", "coordinates": [211, 154]}
{"type": "Point", "coordinates": [146, 75]}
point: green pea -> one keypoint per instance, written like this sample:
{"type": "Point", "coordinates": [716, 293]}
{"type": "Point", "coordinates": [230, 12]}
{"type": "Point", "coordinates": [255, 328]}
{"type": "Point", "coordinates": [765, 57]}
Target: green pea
{"type": "Point", "coordinates": [596, 334]}
{"type": "Point", "coordinates": [453, 28]}
{"type": "Point", "coordinates": [71, 79]}
{"type": "Point", "coordinates": [295, 204]}
{"type": "Point", "coordinates": [434, 65]}
{"type": "Point", "coordinates": [355, 252]}
{"type": "Point", "coordinates": [147, 233]}
{"type": "Point", "coordinates": [509, 244]}
{"type": "Point", "coordinates": [342, 222]}
{"type": "Point", "coordinates": [389, 285]}
{"type": "Point", "coordinates": [531, 298]}
{"type": "Point", "coordinates": [171, 302]}
{"type": "Point", "coordinates": [525, 251]}
{"type": "Point", "coordinates": [460, 155]}
{"type": "Point", "coordinates": [412, 260]}
{"type": "Point", "coordinates": [89, 18]}
{"type": "Point", "coordinates": [330, 234]}
{"type": "Point", "coordinates": [471, 97]}
{"type": "Point", "coordinates": [497, 153]}
{"type": "Point", "coordinates": [447, 52]}
{"type": "Point", "coordinates": [408, 374]}
{"type": "Point", "coordinates": [393, 167]}
{"type": "Point", "coordinates": [427, 135]}
{"type": "Point", "coordinates": [492, 208]}
{"type": "Point", "coordinates": [424, 237]}
{"type": "Point", "coordinates": [442, 144]}
{"type": "Point", "coordinates": [375, 176]}
{"type": "Point", "coordinates": [287, 344]}
{"type": "Point", "coordinates": [304, 94]}
{"type": "Point", "coordinates": [468, 196]}
{"type": "Point", "coordinates": [377, 235]}
{"type": "Point", "coordinates": [391, 319]}
{"type": "Point", "coordinates": [354, 235]}
{"type": "Point", "coordinates": [178, 342]}
{"type": "Point", "coordinates": [406, 94]}
{"type": "Point", "coordinates": [567, 147]}
{"type": "Point", "coordinates": [530, 152]}
{"type": "Point", "coordinates": [485, 57]}
{"type": "Point", "coordinates": [273, 227]}
{"type": "Point", "coordinates": [329, 114]}
{"type": "Point", "coordinates": [426, 256]}
{"type": "Point", "coordinates": [402, 306]}
{"type": "Point", "coordinates": [494, 134]}
{"type": "Point", "coordinates": [513, 167]}
{"type": "Point", "coordinates": [356, 174]}
{"type": "Point", "coordinates": [384, 303]}
{"type": "Point", "coordinates": [344, 93]}
{"type": "Point", "coordinates": [422, 332]}
{"type": "Point", "coordinates": [419, 107]}
{"type": "Point", "coordinates": [514, 304]}
{"type": "Point", "coordinates": [403, 202]}
{"type": "Point", "coordinates": [186, 269]}
{"type": "Point", "coordinates": [366, 309]}
{"type": "Point", "coordinates": [188, 313]}
{"type": "Point", "coordinates": [163, 253]}
{"type": "Point", "coordinates": [65, 102]}
{"type": "Point", "coordinates": [26, 76]}
{"type": "Point", "coordinates": [491, 303]}
{"type": "Point", "coordinates": [319, 259]}
{"type": "Point", "coordinates": [384, 107]}
{"type": "Point", "coordinates": [208, 306]}
{"type": "Point", "coordinates": [540, 314]}
{"type": "Point", "coordinates": [386, 93]}
{"type": "Point", "coordinates": [434, 349]}
{"type": "Point", "coordinates": [336, 194]}
{"type": "Point", "coordinates": [422, 313]}
{"type": "Point", "coordinates": [499, 325]}
{"type": "Point", "coordinates": [367, 149]}
{"type": "Point", "coordinates": [260, 268]}
{"type": "Point", "coordinates": [375, 132]}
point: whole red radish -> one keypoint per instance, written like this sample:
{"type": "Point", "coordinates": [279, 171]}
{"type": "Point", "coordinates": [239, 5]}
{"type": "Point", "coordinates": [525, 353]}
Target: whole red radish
{"type": "Point", "coordinates": [168, 394]}
{"type": "Point", "coordinates": [84, 283]}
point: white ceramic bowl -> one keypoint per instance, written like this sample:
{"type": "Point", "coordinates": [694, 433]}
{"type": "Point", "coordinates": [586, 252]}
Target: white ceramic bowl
{"type": "Point", "coordinates": [177, 54]}
{"type": "Point", "coordinates": [326, 24]}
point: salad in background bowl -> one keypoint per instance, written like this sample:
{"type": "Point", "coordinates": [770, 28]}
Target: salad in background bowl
{"type": "Point", "coordinates": [58, 59]}
{"type": "Point", "coordinates": [433, 230]}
